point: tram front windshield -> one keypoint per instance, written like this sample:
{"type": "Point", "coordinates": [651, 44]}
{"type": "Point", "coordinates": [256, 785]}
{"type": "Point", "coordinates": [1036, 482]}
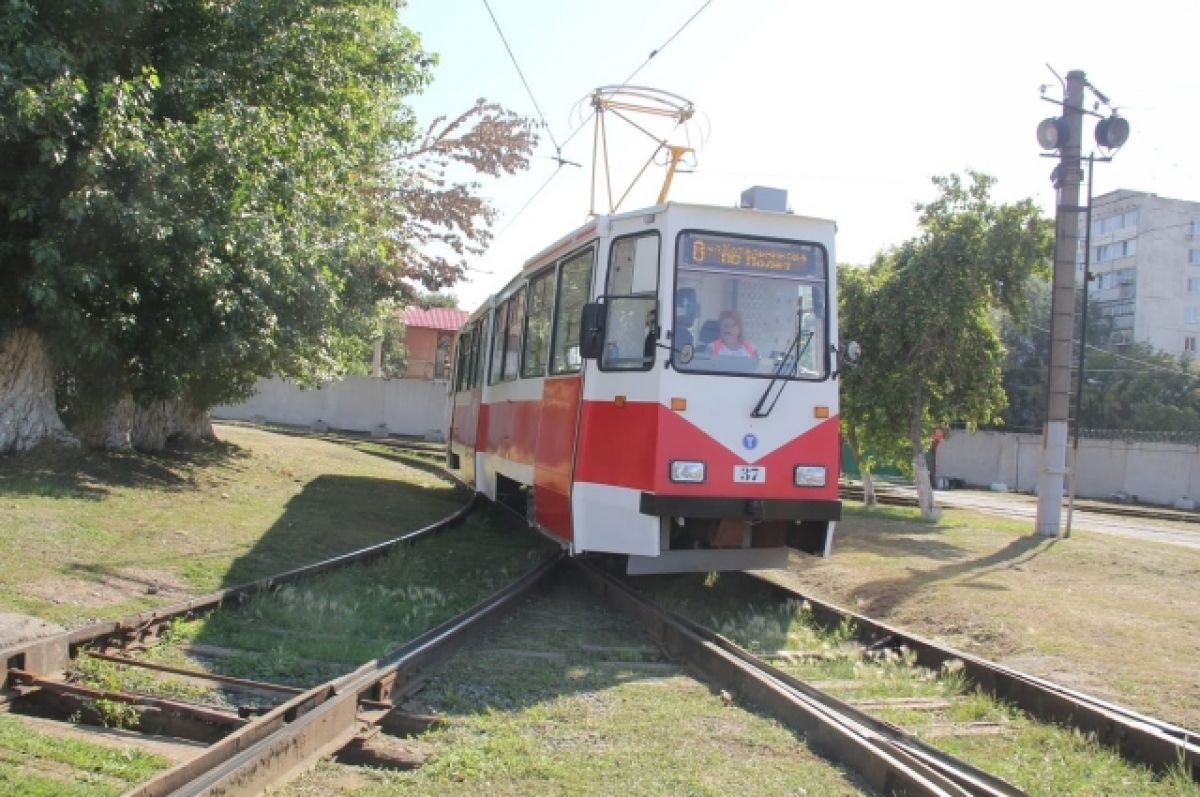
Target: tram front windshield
{"type": "Point", "coordinates": [750, 307]}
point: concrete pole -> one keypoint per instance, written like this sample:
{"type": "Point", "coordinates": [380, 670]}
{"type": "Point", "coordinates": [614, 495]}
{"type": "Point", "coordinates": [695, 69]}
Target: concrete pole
{"type": "Point", "coordinates": [1068, 177]}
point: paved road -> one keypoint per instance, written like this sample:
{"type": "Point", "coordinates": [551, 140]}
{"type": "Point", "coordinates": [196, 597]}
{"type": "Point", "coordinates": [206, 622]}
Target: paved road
{"type": "Point", "coordinates": [1025, 507]}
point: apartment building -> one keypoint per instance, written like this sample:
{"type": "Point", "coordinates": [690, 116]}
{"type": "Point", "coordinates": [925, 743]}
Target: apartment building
{"type": "Point", "coordinates": [1145, 261]}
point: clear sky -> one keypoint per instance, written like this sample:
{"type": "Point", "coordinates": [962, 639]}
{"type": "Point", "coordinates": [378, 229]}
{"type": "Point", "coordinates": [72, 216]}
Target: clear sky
{"type": "Point", "coordinates": [850, 106]}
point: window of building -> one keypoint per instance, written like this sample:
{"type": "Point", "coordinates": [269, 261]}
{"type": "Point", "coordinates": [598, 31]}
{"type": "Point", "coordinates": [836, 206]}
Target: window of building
{"type": "Point", "coordinates": [1116, 249]}
{"type": "Point", "coordinates": [1191, 315]}
{"type": "Point", "coordinates": [441, 361]}
{"type": "Point", "coordinates": [1113, 279]}
{"type": "Point", "coordinates": [1113, 309]}
{"type": "Point", "coordinates": [1194, 257]}
{"type": "Point", "coordinates": [1189, 343]}
{"type": "Point", "coordinates": [1193, 285]}
{"type": "Point", "coordinates": [1120, 221]}
{"type": "Point", "coordinates": [1196, 228]}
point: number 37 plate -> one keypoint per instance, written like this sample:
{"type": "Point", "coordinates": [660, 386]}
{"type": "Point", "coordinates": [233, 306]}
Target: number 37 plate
{"type": "Point", "coordinates": [749, 474]}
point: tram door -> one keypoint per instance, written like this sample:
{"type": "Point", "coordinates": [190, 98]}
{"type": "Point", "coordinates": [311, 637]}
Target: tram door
{"type": "Point", "coordinates": [620, 415]}
{"type": "Point", "coordinates": [558, 425]}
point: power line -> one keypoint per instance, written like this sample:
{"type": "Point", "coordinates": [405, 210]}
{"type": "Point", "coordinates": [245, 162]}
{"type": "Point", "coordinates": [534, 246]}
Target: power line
{"type": "Point", "coordinates": [520, 73]}
{"type": "Point", "coordinates": [528, 202]}
{"type": "Point", "coordinates": [583, 123]}
{"type": "Point", "coordinates": [1148, 366]}
{"type": "Point", "coordinates": [635, 72]}
{"type": "Point", "coordinates": [663, 46]}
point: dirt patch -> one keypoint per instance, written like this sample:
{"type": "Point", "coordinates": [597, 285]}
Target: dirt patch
{"type": "Point", "coordinates": [18, 628]}
{"type": "Point", "coordinates": [108, 588]}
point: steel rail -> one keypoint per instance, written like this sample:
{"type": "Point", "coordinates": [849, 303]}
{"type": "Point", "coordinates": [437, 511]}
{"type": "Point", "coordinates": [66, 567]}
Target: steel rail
{"type": "Point", "coordinates": [976, 780]}
{"type": "Point", "coordinates": [325, 718]}
{"type": "Point", "coordinates": [1159, 745]}
{"type": "Point", "coordinates": [52, 654]}
{"type": "Point", "coordinates": [245, 684]}
{"type": "Point", "coordinates": [886, 759]}
{"type": "Point", "coordinates": [205, 714]}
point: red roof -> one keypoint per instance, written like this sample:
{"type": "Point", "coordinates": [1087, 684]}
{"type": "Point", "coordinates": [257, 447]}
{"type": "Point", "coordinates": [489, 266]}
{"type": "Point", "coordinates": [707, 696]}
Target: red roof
{"type": "Point", "coordinates": [446, 318]}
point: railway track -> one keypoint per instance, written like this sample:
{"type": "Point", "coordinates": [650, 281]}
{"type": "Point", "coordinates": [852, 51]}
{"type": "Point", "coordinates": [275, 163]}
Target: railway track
{"type": "Point", "coordinates": [893, 760]}
{"type": "Point", "coordinates": [275, 729]}
{"type": "Point", "coordinates": [248, 752]}
{"type": "Point", "coordinates": [260, 731]}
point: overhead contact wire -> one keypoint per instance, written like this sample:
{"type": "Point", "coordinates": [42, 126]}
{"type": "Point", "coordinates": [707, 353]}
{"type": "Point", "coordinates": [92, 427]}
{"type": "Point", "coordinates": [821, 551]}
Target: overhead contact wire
{"type": "Point", "coordinates": [521, 74]}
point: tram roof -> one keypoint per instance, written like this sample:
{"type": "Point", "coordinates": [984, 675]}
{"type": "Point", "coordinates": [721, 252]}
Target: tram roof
{"type": "Point", "coordinates": [588, 230]}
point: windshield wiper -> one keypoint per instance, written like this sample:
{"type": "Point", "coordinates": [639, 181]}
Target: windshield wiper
{"type": "Point", "coordinates": [800, 345]}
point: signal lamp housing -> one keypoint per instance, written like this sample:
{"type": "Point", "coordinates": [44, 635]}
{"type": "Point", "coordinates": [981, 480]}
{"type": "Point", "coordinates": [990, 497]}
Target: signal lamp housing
{"type": "Point", "coordinates": [1052, 133]}
{"type": "Point", "coordinates": [1112, 132]}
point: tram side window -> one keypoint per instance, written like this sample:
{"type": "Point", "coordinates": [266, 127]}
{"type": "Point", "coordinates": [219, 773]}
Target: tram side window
{"type": "Point", "coordinates": [573, 288]}
{"type": "Point", "coordinates": [477, 358]}
{"type": "Point", "coordinates": [498, 326]}
{"type": "Point", "coordinates": [469, 342]}
{"type": "Point", "coordinates": [633, 265]}
{"type": "Point", "coordinates": [539, 306]}
{"type": "Point", "coordinates": [462, 352]}
{"type": "Point", "coordinates": [631, 298]}
{"type": "Point", "coordinates": [512, 348]}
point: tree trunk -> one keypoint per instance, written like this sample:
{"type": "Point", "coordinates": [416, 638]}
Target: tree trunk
{"type": "Point", "coordinates": [129, 425]}
{"type": "Point", "coordinates": [27, 412]}
{"type": "Point", "coordinates": [925, 499]}
{"type": "Point", "coordinates": [864, 469]}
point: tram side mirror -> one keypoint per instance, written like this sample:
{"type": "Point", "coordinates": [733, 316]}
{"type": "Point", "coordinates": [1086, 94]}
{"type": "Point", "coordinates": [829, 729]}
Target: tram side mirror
{"type": "Point", "coordinates": [591, 330]}
{"type": "Point", "coordinates": [853, 353]}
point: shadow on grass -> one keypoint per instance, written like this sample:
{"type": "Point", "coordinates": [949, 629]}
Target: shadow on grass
{"type": "Point", "coordinates": [59, 472]}
{"type": "Point", "coordinates": [311, 629]}
{"type": "Point", "coordinates": [882, 595]}
{"type": "Point", "coordinates": [894, 532]}
{"type": "Point", "coordinates": [336, 514]}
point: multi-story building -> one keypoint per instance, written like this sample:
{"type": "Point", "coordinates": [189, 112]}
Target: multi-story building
{"type": "Point", "coordinates": [1145, 262]}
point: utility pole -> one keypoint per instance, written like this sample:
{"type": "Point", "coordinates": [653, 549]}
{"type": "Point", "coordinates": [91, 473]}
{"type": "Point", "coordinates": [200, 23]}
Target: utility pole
{"type": "Point", "coordinates": [1065, 134]}
{"type": "Point", "coordinates": [1068, 177]}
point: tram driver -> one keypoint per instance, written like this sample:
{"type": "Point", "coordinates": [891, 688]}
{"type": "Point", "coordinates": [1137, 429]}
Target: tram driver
{"type": "Point", "coordinates": [732, 342]}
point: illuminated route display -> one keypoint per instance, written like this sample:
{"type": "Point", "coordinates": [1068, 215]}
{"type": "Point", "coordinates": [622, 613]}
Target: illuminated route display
{"type": "Point", "coordinates": [783, 258]}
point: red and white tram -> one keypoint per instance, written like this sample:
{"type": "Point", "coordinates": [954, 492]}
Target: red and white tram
{"type": "Point", "coordinates": [662, 384]}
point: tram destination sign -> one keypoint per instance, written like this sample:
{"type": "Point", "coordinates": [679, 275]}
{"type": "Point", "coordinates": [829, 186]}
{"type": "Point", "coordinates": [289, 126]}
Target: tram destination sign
{"type": "Point", "coordinates": [750, 255]}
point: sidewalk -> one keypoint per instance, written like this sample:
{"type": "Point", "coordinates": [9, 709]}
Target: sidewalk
{"type": "Point", "coordinates": [1152, 524]}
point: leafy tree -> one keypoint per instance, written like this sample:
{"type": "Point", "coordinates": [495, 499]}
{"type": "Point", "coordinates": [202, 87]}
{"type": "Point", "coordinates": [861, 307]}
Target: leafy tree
{"type": "Point", "coordinates": [428, 300]}
{"type": "Point", "coordinates": [1133, 388]}
{"type": "Point", "coordinates": [392, 349]}
{"type": "Point", "coordinates": [866, 424]}
{"type": "Point", "coordinates": [1026, 360]}
{"type": "Point", "coordinates": [196, 194]}
{"type": "Point", "coordinates": [1139, 388]}
{"type": "Point", "coordinates": [925, 315]}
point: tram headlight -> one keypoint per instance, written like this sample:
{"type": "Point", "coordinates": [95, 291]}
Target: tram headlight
{"type": "Point", "coordinates": [810, 475]}
{"type": "Point", "coordinates": [685, 470]}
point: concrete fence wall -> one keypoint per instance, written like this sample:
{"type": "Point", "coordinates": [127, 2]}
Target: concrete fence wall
{"type": "Point", "coordinates": [415, 407]}
{"type": "Point", "coordinates": [1157, 473]}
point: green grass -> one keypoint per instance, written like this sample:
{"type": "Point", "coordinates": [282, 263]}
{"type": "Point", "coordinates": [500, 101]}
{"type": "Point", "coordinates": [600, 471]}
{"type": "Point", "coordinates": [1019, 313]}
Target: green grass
{"type": "Point", "coordinates": [308, 632]}
{"type": "Point", "coordinates": [1039, 758]}
{"type": "Point", "coordinates": [541, 706]}
{"type": "Point", "coordinates": [34, 763]}
{"type": "Point", "coordinates": [94, 534]}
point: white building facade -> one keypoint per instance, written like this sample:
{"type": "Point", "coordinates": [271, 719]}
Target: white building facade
{"type": "Point", "coordinates": [1145, 261]}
